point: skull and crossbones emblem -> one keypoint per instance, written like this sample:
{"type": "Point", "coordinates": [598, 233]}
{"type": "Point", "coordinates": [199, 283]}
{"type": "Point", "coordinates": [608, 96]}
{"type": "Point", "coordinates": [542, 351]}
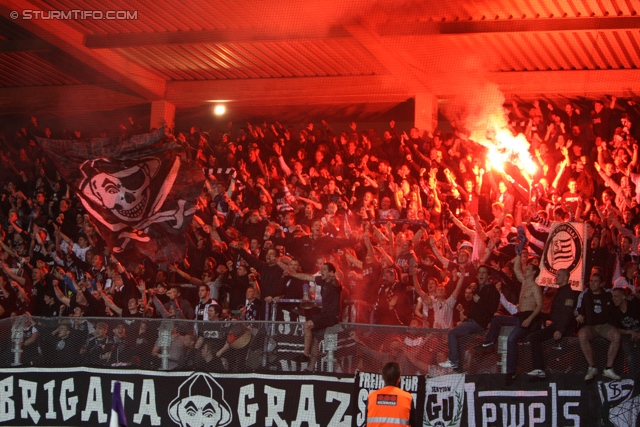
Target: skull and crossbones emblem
{"type": "Point", "coordinates": [125, 193]}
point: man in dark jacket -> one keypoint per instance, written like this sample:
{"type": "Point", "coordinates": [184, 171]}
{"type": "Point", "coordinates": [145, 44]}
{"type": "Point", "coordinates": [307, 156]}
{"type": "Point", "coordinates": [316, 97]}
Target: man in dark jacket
{"type": "Point", "coordinates": [272, 284]}
{"type": "Point", "coordinates": [309, 248]}
{"type": "Point", "coordinates": [594, 312]}
{"type": "Point", "coordinates": [561, 316]}
{"type": "Point", "coordinates": [487, 299]}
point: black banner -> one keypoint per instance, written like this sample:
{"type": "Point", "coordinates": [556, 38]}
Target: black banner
{"type": "Point", "coordinates": [559, 400]}
{"type": "Point", "coordinates": [82, 397]}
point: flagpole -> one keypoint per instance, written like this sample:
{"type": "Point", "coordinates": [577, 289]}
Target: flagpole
{"type": "Point", "coordinates": [118, 418]}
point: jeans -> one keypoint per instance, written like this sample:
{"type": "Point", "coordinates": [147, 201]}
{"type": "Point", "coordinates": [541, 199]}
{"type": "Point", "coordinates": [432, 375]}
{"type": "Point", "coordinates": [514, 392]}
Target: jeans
{"type": "Point", "coordinates": [469, 327]}
{"type": "Point", "coordinates": [512, 342]}
{"type": "Point", "coordinates": [536, 339]}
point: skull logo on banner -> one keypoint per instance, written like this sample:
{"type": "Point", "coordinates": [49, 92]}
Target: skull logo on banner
{"type": "Point", "coordinates": [120, 196]}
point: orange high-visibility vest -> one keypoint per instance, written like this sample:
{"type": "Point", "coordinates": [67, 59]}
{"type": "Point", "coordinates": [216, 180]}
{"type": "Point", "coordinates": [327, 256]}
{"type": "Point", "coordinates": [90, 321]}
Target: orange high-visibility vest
{"type": "Point", "coordinates": [389, 407]}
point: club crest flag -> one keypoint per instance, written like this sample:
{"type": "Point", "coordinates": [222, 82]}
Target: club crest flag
{"type": "Point", "coordinates": [565, 248]}
{"type": "Point", "coordinates": [140, 192]}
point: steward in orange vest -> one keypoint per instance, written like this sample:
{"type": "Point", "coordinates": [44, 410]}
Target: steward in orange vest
{"type": "Point", "coordinates": [390, 406]}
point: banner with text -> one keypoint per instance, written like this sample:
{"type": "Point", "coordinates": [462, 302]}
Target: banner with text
{"type": "Point", "coordinates": [366, 382]}
{"type": "Point", "coordinates": [82, 397]}
{"type": "Point", "coordinates": [444, 402]}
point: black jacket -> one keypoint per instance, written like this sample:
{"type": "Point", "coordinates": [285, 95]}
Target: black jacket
{"type": "Point", "coordinates": [588, 304]}
{"type": "Point", "coordinates": [562, 309]}
{"type": "Point", "coordinates": [486, 306]}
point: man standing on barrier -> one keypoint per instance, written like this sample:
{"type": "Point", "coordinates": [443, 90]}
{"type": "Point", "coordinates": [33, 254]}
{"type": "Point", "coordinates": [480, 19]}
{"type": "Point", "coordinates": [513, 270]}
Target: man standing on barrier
{"type": "Point", "coordinates": [487, 299]}
{"type": "Point", "coordinates": [331, 291]}
{"type": "Point", "coordinates": [390, 405]}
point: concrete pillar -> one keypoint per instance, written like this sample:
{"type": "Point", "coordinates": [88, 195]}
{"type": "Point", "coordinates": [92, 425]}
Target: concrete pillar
{"type": "Point", "coordinates": [426, 112]}
{"type": "Point", "coordinates": [163, 113]}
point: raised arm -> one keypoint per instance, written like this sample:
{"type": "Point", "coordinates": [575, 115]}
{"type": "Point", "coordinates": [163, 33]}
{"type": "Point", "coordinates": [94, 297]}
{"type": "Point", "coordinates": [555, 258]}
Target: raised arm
{"type": "Point", "coordinates": [481, 234]}
{"type": "Point", "coordinates": [316, 205]}
{"type": "Point", "coordinates": [109, 302]}
{"type": "Point", "coordinates": [517, 269]}
{"type": "Point", "coordinates": [60, 296]}
{"type": "Point", "coordinates": [466, 230]}
{"type": "Point", "coordinates": [460, 283]}
{"type": "Point", "coordinates": [353, 260]}
{"type": "Point", "coordinates": [193, 280]}
{"type": "Point", "coordinates": [436, 252]}
{"type": "Point", "coordinates": [13, 276]}
{"type": "Point", "coordinates": [264, 191]}
{"type": "Point", "coordinates": [301, 276]}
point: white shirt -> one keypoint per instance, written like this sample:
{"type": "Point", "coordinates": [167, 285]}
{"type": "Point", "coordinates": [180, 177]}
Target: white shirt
{"type": "Point", "coordinates": [443, 313]}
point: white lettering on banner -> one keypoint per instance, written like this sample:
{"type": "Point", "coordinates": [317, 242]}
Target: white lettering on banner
{"type": "Point", "coordinates": [68, 406]}
{"type": "Point", "coordinates": [363, 395]}
{"type": "Point", "coordinates": [306, 408]}
{"type": "Point", "coordinates": [247, 413]}
{"type": "Point", "coordinates": [285, 329]}
{"type": "Point", "coordinates": [299, 330]}
{"type": "Point", "coordinates": [444, 400]}
{"type": "Point", "coordinates": [489, 414]}
{"type": "Point", "coordinates": [7, 405]}
{"type": "Point", "coordinates": [470, 392]}
{"type": "Point", "coordinates": [94, 401]}
{"type": "Point", "coordinates": [514, 414]}
{"type": "Point", "coordinates": [409, 383]}
{"type": "Point", "coordinates": [50, 388]}
{"type": "Point", "coordinates": [569, 416]}
{"type": "Point", "coordinates": [515, 393]}
{"type": "Point", "coordinates": [339, 419]}
{"type": "Point", "coordinates": [371, 381]}
{"type": "Point", "coordinates": [147, 404]}
{"type": "Point", "coordinates": [533, 420]}
{"type": "Point", "coordinates": [275, 405]}
{"type": "Point", "coordinates": [533, 411]}
{"type": "Point", "coordinates": [367, 382]}
{"type": "Point", "coordinates": [29, 393]}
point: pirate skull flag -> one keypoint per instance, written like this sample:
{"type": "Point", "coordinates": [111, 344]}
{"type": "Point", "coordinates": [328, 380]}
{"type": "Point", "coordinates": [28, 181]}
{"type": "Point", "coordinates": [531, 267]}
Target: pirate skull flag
{"type": "Point", "coordinates": [140, 191]}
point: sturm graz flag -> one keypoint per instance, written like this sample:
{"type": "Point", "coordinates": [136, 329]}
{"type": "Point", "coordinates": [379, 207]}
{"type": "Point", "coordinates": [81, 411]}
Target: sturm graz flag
{"type": "Point", "coordinates": [140, 191]}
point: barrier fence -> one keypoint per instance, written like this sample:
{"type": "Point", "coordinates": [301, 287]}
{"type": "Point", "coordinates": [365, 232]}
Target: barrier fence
{"type": "Point", "coordinates": [155, 344]}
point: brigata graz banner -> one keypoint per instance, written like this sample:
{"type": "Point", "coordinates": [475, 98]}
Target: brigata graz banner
{"type": "Point", "coordinates": [82, 397]}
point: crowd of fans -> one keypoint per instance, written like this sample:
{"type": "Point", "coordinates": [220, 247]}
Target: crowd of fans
{"type": "Point", "coordinates": [414, 228]}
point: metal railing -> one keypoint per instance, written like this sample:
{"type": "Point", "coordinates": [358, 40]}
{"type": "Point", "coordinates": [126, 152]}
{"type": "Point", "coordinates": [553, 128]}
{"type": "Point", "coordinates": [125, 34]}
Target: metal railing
{"type": "Point", "coordinates": [159, 344]}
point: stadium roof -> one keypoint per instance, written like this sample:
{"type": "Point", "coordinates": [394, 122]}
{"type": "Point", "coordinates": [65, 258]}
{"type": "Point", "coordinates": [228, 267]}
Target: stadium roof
{"type": "Point", "coordinates": [296, 59]}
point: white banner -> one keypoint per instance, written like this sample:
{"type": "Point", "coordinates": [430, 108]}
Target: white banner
{"type": "Point", "coordinates": [565, 248]}
{"type": "Point", "coordinates": [444, 401]}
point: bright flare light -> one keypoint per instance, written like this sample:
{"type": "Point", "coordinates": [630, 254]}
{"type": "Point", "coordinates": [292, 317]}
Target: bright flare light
{"type": "Point", "coordinates": [219, 110]}
{"type": "Point", "coordinates": [506, 148]}
{"type": "Point", "coordinates": [517, 149]}
{"type": "Point", "coordinates": [496, 159]}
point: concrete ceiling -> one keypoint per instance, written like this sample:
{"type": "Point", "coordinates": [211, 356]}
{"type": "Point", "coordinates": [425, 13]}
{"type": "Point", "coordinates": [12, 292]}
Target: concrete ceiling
{"type": "Point", "coordinates": [313, 57]}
